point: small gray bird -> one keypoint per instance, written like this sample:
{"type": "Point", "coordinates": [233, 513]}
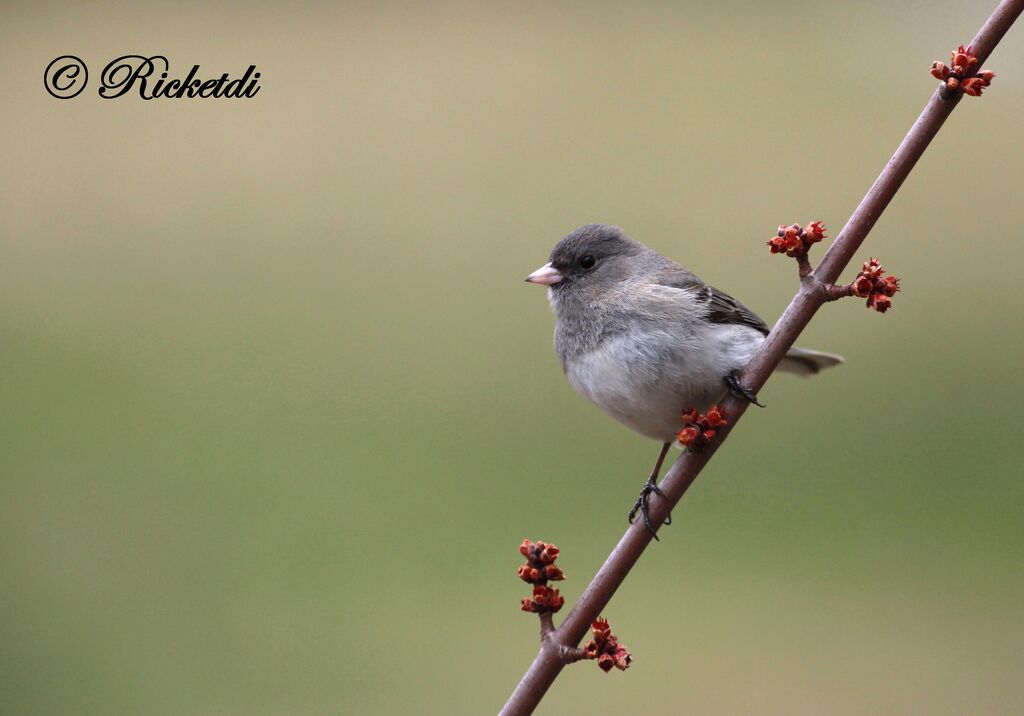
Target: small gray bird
{"type": "Point", "coordinates": [644, 339]}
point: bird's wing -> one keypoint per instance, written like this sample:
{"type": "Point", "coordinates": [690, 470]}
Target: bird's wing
{"type": "Point", "coordinates": [722, 308]}
{"type": "Point", "coordinates": [726, 309]}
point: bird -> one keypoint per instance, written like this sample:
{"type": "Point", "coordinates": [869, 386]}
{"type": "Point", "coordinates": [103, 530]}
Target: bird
{"type": "Point", "coordinates": [643, 338]}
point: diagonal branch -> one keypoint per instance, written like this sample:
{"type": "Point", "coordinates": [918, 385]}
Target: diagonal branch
{"type": "Point", "coordinates": [548, 664]}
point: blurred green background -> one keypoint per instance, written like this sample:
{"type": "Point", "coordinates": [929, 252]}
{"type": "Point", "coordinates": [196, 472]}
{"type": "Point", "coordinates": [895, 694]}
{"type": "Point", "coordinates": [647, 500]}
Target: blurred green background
{"type": "Point", "coordinates": [277, 408]}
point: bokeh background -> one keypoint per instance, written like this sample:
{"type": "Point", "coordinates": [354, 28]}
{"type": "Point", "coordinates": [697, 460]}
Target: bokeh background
{"type": "Point", "coordinates": [276, 407]}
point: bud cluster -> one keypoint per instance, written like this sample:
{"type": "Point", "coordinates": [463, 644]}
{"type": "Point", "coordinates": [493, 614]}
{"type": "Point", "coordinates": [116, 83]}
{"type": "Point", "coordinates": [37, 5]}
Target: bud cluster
{"type": "Point", "coordinates": [700, 428]}
{"type": "Point", "coordinates": [872, 283]}
{"type": "Point", "coordinates": [605, 647]}
{"type": "Point", "coordinates": [796, 240]}
{"type": "Point", "coordinates": [538, 570]}
{"type": "Point", "coordinates": [962, 60]}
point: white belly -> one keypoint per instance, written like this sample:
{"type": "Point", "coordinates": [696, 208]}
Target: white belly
{"type": "Point", "coordinates": [646, 389]}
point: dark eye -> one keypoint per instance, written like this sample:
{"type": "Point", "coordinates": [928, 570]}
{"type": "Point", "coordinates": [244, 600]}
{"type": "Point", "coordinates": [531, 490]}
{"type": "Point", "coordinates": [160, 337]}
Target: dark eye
{"type": "Point", "coordinates": [587, 262]}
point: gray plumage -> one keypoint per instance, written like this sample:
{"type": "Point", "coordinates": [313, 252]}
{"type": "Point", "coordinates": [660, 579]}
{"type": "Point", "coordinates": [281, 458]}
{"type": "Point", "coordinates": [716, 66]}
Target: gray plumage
{"type": "Point", "coordinates": [642, 337]}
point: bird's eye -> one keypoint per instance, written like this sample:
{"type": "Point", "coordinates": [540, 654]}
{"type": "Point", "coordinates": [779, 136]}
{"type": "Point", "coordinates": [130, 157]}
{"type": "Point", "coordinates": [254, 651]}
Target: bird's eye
{"type": "Point", "coordinates": [587, 262]}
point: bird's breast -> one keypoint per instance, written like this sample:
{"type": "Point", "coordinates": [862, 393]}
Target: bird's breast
{"type": "Point", "coordinates": [644, 382]}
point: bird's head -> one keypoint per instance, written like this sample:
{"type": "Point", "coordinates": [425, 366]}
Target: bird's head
{"type": "Point", "coordinates": [592, 257]}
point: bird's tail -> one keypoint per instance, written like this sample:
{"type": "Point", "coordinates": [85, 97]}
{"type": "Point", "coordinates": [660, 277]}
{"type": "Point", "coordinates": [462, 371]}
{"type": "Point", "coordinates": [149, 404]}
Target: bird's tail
{"type": "Point", "coordinates": [803, 362]}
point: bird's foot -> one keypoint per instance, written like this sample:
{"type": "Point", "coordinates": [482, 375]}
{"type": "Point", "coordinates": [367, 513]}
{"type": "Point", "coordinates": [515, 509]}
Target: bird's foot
{"type": "Point", "coordinates": [642, 506]}
{"type": "Point", "coordinates": [736, 388]}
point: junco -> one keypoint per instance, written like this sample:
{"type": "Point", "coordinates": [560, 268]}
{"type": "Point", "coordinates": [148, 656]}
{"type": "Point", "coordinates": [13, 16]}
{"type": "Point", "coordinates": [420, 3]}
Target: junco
{"type": "Point", "coordinates": [644, 339]}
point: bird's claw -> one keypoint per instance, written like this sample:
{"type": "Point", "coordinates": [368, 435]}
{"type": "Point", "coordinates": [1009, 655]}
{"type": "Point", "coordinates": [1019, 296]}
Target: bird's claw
{"type": "Point", "coordinates": [641, 505]}
{"type": "Point", "coordinates": [739, 390]}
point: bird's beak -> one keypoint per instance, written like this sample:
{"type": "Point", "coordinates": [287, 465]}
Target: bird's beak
{"type": "Point", "coordinates": [546, 275]}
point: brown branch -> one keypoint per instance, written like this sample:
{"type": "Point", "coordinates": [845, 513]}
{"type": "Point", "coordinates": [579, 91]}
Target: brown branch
{"type": "Point", "coordinates": [832, 292]}
{"type": "Point", "coordinates": [547, 625]}
{"type": "Point", "coordinates": [804, 268]}
{"type": "Point", "coordinates": [566, 654]}
{"type": "Point", "coordinates": [549, 662]}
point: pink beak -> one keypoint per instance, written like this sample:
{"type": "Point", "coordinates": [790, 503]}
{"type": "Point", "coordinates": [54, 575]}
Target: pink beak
{"type": "Point", "coordinates": [546, 275]}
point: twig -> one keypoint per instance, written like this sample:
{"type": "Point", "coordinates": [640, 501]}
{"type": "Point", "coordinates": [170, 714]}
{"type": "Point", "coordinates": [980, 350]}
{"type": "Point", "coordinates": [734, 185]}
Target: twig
{"type": "Point", "coordinates": [549, 662]}
{"type": "Point", "coordinates": [567, 654]}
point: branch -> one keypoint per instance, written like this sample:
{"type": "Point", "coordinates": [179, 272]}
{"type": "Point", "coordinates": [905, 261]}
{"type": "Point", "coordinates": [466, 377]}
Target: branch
{"type": "Point", "coordinates": [871, 283]}
{"type": "Point", "coordinates": [548, 663]}
{"type": "Point", "coordinates": [540, 568]}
